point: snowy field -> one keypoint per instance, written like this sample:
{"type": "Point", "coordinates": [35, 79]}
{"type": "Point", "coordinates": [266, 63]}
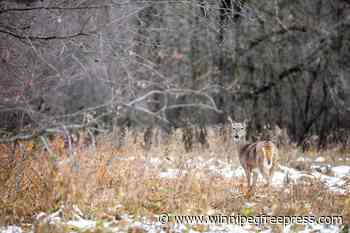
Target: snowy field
{"type": "Point", "coordinates": [334, 178]}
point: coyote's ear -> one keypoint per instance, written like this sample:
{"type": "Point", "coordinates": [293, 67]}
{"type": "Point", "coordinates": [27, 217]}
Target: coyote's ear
{"type": "Point", "coordinates": [230, 119]}
{"type": "Point", "coordinates": [245, 122]}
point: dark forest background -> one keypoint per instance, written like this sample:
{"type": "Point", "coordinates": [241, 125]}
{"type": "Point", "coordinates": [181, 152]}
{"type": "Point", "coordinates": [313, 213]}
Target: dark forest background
{"type": "Point", "coordinates": [107, 65]}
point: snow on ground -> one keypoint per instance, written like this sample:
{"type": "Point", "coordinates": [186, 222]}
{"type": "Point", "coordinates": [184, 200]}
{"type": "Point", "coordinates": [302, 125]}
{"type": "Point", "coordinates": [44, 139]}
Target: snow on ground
{"type": "Point", "coordinates": [335, 180]}
{"type": "Point", "coordinates": [82, 224]}
{"type": "Point", "coordinates": [311, 228]}
{"type": "Point", "coordinates": [171, 173]}
{"type": "Point", "coordinates": [282, 175]}
{"type": "Point", "coordinates": [286, 174]}
{"type": "Point", "coordinates": [128, 222]}
{"type": "Point", "coordinates": [341, 171]}
{"type": "Point", "coordinates": [334, 184]}
{"type": "Point", "coordinates": [10, 229]}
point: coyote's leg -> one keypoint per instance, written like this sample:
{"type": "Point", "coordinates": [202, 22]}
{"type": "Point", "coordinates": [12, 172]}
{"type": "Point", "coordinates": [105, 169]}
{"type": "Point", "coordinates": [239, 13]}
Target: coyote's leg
{"type": "Point", "coordinates": [266, 174]}
{"type": "Point", "coordinates": [267, 178]}
{"type": "Point", "coordinates": [255, 178]}
{"type": "Point", "coordinates": [270, 176]}
{"type": "Point", "coordinates": [248, 175]}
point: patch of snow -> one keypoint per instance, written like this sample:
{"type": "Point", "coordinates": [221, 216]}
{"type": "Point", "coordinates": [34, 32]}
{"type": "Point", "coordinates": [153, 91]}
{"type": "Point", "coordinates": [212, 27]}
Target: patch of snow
{"type": "Point", "coordinates": [227, 171]}
{"type": "Point", "coordinates": [310, 228]}
{"type": "Point", "coordinates": [321, 168]}
{"type": "Point", "coordinates": [278, 178]}
{"type": "Point", "coordinates": [77, 210]}
{"type": "Point", "coordinates": [239, 172]}
{"type": "Point", "coordinates": [211, 161]}
{"type": "Point", "coordinates": [249, 205]}
{"type": "Point", "coordinates": [334, 183]}
{"type": "Point", "coordinates": [292, 172]}
{"type": "Point", "coordinates": [124, 158]}
{"type": "Point", "coordinates": [155, 161]}
{"type": "Point", "coordinates": [82, 224]}
{"type": "Point", "coordinates": [232, 228]}
{"type": "Point", "coordinates": [146, 226]}
{"type": "Point", "coordinates": [155, 227]}
{"type": "Point", "coordinates": [52, 218]}
{"type": "Point", "coordinates": [341, 171]}
{"type": "Point", "coordinates": [286, 173]}
{"type": "Point", "coordinates": [40, 215]}
{"type": "Point", "coordinates": [266, 231]}
{"type": "Point", "coordinates": [171, 173]}
{"type": "Point", "coordinates": [288, 229]}
{"type": "Point", "coordinates": [179, 228]}
{"type": "Point", "coordinates": [211, 164]}
{"type": "Point", "coordinates": [11, 229]}
{"type": "Point", "coordinates": [198, 162]}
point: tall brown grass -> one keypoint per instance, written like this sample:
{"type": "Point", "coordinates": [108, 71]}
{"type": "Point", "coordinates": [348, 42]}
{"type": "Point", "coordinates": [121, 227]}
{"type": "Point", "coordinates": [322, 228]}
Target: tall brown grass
{"type": "Point", "coordinates": [107, 182]}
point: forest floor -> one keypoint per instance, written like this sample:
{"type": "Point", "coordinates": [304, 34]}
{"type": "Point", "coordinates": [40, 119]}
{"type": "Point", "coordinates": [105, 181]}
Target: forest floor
{"type": "Point", "coordinates": [134, 190]}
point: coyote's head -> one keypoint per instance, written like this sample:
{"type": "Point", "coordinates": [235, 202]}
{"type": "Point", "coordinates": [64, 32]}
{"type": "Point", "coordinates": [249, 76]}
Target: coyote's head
{"type": "Point", "coordinates": [239, 130]}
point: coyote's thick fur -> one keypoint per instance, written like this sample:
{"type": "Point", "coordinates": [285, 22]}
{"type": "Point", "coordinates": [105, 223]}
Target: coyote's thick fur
{"type": "Point", "coordinates": [259, 156]}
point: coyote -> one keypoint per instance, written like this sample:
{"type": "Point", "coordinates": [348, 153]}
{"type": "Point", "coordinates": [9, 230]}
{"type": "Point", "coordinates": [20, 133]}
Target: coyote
{"type": "Point", "coordinates": [260, 155]}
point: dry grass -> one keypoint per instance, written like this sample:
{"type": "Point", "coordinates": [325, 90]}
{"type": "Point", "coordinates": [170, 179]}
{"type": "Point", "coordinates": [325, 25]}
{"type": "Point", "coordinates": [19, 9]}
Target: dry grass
{"type": "Point", "coordinates": [105, 183]}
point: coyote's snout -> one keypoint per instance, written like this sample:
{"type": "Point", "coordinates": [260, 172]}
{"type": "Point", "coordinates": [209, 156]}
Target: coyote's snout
{"type": "Point", "coordinates": [254, 157]}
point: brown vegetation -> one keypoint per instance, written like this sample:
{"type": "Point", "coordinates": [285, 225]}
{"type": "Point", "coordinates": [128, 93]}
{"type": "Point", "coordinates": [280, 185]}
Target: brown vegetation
{"type": "Point", "coordinates": [107, 182]}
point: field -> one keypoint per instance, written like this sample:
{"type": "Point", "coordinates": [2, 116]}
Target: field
{"type": "Point", "coordinates": [101, 189]}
